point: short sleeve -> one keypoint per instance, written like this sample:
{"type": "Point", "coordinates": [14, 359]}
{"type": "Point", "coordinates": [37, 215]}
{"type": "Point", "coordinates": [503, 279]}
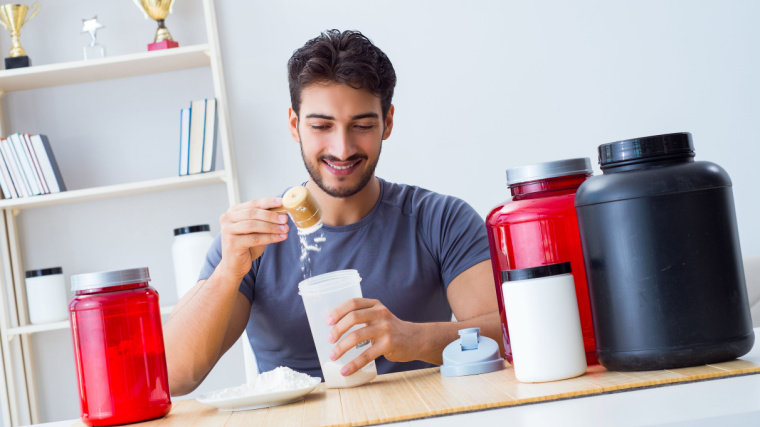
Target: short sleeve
{"type": "Point", "coordinates": [456, 234]}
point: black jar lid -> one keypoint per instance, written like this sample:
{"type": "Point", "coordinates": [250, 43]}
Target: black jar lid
{"type": "Point", "coordinates": [191, 229]}
{"type": "Point", "coordinates": [649, 147]}
{"type": "Point", "coordinates": [536, 272]}
{"type": "Point", "coordinates": [44, 272]}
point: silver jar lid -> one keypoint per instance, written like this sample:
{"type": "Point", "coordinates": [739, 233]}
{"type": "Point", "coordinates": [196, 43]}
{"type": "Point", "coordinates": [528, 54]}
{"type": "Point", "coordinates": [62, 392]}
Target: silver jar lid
{"type": "Point", "coordinates": [106, 279]}
{"type": "Point", "coordinates": [546, 170]}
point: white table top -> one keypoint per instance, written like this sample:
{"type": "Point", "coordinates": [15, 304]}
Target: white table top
{"type": "Point", "coordinates": [722, 402]}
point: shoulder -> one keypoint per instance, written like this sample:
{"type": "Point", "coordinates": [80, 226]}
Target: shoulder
{"type": "Point", "coordinates": [420, 202]}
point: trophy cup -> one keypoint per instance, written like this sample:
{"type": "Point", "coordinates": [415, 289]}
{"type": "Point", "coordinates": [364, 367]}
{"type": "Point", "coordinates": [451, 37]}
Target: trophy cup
{"type": "Point", "coordinates": [158, 10]}
{"type": "Point", "coordinates": [94, 49]}
{"type": "Point", "coordinates": [13, 17]}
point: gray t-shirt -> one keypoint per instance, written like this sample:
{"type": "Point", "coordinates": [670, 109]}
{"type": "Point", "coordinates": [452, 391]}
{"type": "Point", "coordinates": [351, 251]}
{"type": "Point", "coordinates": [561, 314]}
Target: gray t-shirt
{"type": "Point", "coordinates": [407, 251]}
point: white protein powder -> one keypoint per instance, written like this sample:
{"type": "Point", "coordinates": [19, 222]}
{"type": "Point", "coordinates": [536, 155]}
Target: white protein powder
{"type": "Point", "coordinates": [309, 243]}
{"type": "Point", "coordinates": [279, 379]}
{"type": "Point", "coordinates": [334, 379]}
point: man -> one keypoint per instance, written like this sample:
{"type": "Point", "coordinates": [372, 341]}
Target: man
{"type": "Point", "coordinates": [421, 255]}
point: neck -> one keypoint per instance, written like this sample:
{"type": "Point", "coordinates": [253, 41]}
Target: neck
{"type": "Point", "coordinates": [348, 210]}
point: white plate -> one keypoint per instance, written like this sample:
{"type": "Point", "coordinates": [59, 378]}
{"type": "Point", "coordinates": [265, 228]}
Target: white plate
{"type": "Point", "coordinates": [255, 401]}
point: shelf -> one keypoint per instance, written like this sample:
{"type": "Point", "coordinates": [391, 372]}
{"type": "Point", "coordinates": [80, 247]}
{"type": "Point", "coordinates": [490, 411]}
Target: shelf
{"type": "Point", "coordinates": [55, 326]}
{"type": "Point", "coordinates": [110, 67]}
{"type": "Point", "coordinates": [119, 190]}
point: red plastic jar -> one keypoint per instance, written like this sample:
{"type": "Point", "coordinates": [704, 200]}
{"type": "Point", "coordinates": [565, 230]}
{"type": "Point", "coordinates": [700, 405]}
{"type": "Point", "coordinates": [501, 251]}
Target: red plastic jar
{"type": "Point", "coordinates": [538, 226]}
{"type": "Point", "coordinates": [118, 348]}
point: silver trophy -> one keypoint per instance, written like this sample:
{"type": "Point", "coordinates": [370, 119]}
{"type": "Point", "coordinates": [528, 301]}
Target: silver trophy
{"type": "Point", "coordinates": [94, 49]}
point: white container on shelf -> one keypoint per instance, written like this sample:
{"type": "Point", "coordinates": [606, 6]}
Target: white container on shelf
{"type": "Point", "coordinates": [544, 325]}
{"type": "Point", "coordinates": [321, 294]}
{"type": "Point", "coordinates": [189, 253]}
{"type": "Point", "coordinates": [46, 295]}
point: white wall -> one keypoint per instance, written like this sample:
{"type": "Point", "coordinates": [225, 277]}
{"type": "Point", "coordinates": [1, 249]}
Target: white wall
{"type": "Point", "coordinates": [482, 86]}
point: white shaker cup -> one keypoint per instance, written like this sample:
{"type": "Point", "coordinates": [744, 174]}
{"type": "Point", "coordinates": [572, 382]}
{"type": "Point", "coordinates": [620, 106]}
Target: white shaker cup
{"type": "Point", "coordinates": [321, 295]}
{"type": "Point", "coordinates": [544, 325]}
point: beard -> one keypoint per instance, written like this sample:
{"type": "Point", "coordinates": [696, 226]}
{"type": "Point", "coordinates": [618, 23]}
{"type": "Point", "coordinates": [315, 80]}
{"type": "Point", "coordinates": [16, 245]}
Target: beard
{"type": "Point", "coordinates": [341, 193]}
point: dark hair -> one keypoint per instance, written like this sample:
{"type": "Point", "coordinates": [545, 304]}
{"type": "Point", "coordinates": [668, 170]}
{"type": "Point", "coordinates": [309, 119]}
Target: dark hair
{"type": "Point", "coordinates": [346, 57]}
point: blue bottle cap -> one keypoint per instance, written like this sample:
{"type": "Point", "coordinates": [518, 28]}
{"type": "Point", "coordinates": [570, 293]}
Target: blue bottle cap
{"type": "Point", "coordinates": [471, 354]}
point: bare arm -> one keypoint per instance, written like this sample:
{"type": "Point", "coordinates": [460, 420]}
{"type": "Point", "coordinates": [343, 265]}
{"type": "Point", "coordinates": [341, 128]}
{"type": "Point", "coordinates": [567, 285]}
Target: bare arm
{"type": "Point", "coordinates": [201, 328]}
{"type": "Point", "coordinates": [472, 298]}
{"type": "Point", "coordinates": [211, 317]}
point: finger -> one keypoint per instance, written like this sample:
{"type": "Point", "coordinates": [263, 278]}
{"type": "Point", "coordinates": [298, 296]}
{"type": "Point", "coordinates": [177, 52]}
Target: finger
{"type": "Point", "coordinates": [362, 360]}
{"type": "Point", "coordinates": [254, 227]}
{"type": "Point", "coordinates": [249, 218]}
{"type": "Point", "coordinates": [351, 340]}
{"type": "Point", "coordinates": [362, 316]}
{"type": "Point", "coordinates": [253, 213]}
{"type": "Point", "coordinates": [265, 203]}
{"type": "Point", "coordinates": [347, 307]}
{"type": "Point", "coordinates": [245, 242]}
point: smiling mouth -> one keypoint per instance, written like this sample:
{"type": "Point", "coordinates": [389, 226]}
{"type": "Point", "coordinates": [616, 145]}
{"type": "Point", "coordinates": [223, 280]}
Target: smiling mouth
{"type": "Point", "coordinates": [342, 167]}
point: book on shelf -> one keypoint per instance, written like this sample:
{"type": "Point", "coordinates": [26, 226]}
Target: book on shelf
{"type": "Point", "coordinates": [209, 137]}
{"type": "Point", "coordinates": [35, 163]}
{"type": "Point", "coordinates": [15, 168]}
{"type": "Point", "coordinates": [48, 165]}
{"type": "Point", "coordinates": [197, 136]}
{"type": "Point", "coordinates": [184, 140]}
{"type": "Point", "coordinates": [28, 167]}
{"type": "Point", "coordinates": [6, 183]}
{"type": "Point", "coordinates": [17, 144]}
{"type": "Point", "coordinates": [197, 132]}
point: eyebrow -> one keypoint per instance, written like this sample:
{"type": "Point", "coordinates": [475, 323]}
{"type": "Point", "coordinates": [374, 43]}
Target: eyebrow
{"type": "Point", "coordinates": [356, 117]}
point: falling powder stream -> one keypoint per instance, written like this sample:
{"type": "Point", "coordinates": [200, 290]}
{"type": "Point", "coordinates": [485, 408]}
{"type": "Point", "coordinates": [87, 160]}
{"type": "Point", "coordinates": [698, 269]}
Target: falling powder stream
{"type": "Point", "coordinates": [310, 242]}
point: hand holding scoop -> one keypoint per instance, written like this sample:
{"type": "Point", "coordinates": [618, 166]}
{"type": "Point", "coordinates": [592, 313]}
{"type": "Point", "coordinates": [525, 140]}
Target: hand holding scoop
{"type": "Point", "coordinates": [302, 208]}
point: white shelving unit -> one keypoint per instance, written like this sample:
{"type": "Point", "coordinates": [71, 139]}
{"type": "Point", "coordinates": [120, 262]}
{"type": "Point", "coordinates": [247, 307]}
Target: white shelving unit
{"type": "Point", "coordinates": [18, 395]}
{"type": "Point", "coordinates": [59, 326]}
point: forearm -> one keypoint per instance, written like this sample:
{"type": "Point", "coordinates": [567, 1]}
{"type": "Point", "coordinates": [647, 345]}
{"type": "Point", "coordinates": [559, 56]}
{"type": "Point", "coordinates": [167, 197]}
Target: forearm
{"type": "Point", "coordinates": [432, 338]}
{"type": "Point", "coordinates": [194, 334]}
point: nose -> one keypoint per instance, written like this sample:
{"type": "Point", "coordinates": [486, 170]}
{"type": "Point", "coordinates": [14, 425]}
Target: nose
{"type": "Point", "coordinates": [342, 145]}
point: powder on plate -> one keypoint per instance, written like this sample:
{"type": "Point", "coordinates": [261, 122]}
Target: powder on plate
{"type": "Point", "coordinates": [279, 379]}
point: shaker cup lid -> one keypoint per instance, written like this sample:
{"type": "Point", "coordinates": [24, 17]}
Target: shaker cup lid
{"type": "Point", "coordinates": [536, 272]}
{"type": "Point", "coordinates": [648, 147]}
{"type": "Point", "coordinates": [106, 279]}
{"type": "Point", "coordinates": [471, 354]}
{"type": "Point", "coordinates": [191, 229]}
{"type": "Point", "coordinates": [557, 168]}
{"type": "Point", "coordinates": [44, 272]}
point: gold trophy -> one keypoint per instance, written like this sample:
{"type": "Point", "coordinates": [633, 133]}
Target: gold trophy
{"type": "Point", "coordinates": [158, 10]}
{"type": "Point", "coordinates": [13, 17]}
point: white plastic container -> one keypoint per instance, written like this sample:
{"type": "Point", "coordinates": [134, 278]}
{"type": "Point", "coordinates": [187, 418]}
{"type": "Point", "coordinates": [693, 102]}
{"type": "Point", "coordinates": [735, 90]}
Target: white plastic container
{"type": "Point", "coordinates": [46, 295]}
{"type": "Point", "coordinates": [189, 253]}
{"type": "Point", "coordinates": [544, 326]}
{"type": "Point", "coordinates": [321, 295]}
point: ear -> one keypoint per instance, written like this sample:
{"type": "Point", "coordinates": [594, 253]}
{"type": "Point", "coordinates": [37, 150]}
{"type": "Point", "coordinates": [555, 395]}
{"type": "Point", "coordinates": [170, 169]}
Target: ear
{"type": "Point", "coordinates": [293, 125]}
{"type": "Point", "coordinates": [388, 122]}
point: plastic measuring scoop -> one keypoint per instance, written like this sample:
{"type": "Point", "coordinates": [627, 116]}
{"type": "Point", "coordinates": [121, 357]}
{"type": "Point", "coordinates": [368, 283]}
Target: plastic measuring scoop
{"type": "Point", "coordinates": [302, 208]}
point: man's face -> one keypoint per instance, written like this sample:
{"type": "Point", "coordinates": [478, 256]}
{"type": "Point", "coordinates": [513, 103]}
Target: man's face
{"type": "Point", "coordinates": [340, 130]}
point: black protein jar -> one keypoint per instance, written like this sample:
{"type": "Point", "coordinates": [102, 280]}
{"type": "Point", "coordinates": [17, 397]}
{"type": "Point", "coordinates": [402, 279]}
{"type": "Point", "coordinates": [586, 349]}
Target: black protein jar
{"type": "Point", "coordinates": [662, 256]}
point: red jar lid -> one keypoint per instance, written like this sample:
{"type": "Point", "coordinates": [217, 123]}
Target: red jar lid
{"type": "Point", "coordinates": [107, 279]}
